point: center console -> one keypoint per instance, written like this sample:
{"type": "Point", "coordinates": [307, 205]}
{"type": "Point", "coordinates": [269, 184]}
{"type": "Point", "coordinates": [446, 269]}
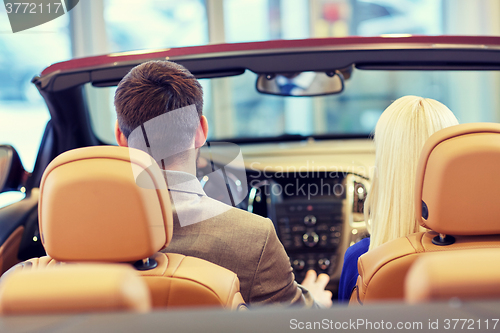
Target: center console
{"type": "Point", "coordinates": [316, 217]}
{"type": "Point", "coordinates": [310, 231]}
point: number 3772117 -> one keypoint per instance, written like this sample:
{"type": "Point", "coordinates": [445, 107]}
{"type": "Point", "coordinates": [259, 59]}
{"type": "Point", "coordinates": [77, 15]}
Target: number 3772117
{"type": "Point", "coordinates": [470, 324]}
{"type": "Point", "coordinates": [33, 8]}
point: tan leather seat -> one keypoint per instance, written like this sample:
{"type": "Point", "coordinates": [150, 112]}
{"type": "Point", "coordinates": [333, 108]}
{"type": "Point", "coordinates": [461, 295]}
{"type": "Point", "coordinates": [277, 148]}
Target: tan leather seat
{"type": "Point", "coordinates": [73, 288]}
{"type": "Point", "coordinates": [467, 275]}
{"type": "Point", "coordinates": [92, 209]}
{"type": "Point", "coordinates": [457, 198]}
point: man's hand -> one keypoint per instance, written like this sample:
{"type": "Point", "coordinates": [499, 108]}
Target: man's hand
{"type": "Point", "coordinates": [316, 286]}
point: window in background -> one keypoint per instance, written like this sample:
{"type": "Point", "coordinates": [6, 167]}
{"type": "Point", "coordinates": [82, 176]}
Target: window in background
{"type": "Point", "coordinates": [254, 114]}
{"type": "Point", "coordinates": [357, 109]}
{"type": "Point", "coordinates": [256, 20]}
{"type": "Point", "coordinates": [23, 113]}
{"type": "Point", "coordinates": [331, 18]}
{"type": "Point", "coordinates": [154, 24]}
{"type": "Point", "coordinates": [378, 17]}
{"type": "Point", "coordinates": [249, 20]}
{"type": "Point", "coordinates": [235, 109]}
{"type": "Point", "coordinates": [340, 18]}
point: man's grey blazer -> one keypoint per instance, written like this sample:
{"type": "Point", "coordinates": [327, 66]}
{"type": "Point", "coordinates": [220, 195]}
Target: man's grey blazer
{"type": "Point", "coordinates": [242, 242]}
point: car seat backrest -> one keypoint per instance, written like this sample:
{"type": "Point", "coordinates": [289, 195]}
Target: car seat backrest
{"type": "Point", "coordinates": [465, 275]}
{"type": "Point", "coordinates": [111, 204]}
{"type": "Point", "coordinates": [73, 288]}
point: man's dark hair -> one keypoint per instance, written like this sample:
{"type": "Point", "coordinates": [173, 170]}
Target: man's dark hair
{"type": "Point", "coordinates": [152, 89]}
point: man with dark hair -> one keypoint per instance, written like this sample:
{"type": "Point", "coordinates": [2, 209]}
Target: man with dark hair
{"type": "Point", "coordinates": [159, 110]}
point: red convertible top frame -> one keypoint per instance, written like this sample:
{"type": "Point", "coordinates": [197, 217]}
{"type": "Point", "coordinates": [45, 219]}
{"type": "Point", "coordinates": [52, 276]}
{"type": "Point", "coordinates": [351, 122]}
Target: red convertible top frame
{"type": "Point", "coordinates": [281, 56]}
{"type": "Point", "coordinates": [346, 43]}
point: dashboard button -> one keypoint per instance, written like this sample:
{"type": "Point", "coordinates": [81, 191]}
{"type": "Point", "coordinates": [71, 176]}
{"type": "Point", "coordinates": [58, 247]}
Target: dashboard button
{"type": "Point", "coordinates": [310, 220]}
{"type": "Point", "coordinates": [311, 262]}
{"type": "Point", "coordinates": [323, 264]}
{"type": "Point", "coordinates": [334, 241]}
{"type": "Point", "coordinates": [310, 238]}
{"type": "Point", "coordinates": [336, 234]}
{"type": "Point", "coordinates": [323, 240]}
{"type": "Point", "coordinates": [298, 264]}
{"type": "Point", "coordinates": [322, 227]}
{"type": "Point", "coordinates": [297, 241]}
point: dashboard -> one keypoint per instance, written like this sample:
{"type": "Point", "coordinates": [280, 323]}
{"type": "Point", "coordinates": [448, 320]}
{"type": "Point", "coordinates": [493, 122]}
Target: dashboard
{"type": "Point", "coordinates": [312, 191]}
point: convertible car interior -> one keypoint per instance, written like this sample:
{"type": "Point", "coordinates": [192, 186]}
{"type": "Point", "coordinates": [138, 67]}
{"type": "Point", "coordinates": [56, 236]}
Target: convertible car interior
{"type": "Point", "coordinates": [311, 183]}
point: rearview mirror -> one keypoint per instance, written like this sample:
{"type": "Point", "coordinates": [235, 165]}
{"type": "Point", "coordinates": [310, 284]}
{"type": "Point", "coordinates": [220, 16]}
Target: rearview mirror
{"type": "Point", "coordinates": [301, 83]}
{"type": "Point", "coordinates": [12, 172]}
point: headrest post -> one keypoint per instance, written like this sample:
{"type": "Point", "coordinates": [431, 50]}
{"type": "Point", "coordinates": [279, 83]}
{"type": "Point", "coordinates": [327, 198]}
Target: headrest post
{"type": "Point", "coordinates": [145, 264]}
{"type": "Point", "coordinates": [443, 240]}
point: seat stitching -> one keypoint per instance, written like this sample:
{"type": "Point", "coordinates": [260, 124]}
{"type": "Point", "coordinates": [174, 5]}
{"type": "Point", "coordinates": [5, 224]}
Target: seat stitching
{"type": "Point", "coordinates": [176, 268]}
{"type": "Point", "coordinates": [385, 263]}
{"type": "Point", "coordinates": [411, 244]}
{"type": "Point", "coordinates": [202, 284]}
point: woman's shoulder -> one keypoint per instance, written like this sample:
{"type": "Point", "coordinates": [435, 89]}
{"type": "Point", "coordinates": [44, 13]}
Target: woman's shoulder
{"type": "Point", "coordinates": [358, 249]}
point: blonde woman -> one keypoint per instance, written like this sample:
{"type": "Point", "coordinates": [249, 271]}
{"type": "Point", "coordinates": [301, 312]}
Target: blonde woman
{"type": "Point", "coordinates": [399, 137]}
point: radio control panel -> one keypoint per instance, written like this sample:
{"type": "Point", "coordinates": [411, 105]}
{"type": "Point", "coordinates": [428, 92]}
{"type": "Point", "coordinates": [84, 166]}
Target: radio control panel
{"type": "Point", "coordinates": [311, 233]}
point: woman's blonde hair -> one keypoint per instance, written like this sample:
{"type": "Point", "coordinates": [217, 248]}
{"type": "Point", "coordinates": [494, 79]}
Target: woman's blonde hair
{"type": "Point", "coordinates": [399, 137]}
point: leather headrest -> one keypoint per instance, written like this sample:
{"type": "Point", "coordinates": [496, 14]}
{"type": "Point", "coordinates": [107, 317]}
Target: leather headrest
{"type": "Point", "coordinates": [92, 209]}
{"type": "Point", "coordinates": [458, 180]}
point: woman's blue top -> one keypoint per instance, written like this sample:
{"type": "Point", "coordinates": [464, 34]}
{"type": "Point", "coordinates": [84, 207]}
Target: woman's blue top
{"type": "Point", "coordinates": [350, 273]}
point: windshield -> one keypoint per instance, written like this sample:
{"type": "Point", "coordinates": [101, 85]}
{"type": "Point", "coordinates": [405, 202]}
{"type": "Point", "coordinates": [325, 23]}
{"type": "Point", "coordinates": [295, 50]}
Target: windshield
{"type": "Point", "coordinates": [236, 111]}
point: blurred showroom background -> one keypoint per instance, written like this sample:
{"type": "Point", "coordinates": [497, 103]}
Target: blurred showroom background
{"type": "Point", "coordinates": [96, 27]}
